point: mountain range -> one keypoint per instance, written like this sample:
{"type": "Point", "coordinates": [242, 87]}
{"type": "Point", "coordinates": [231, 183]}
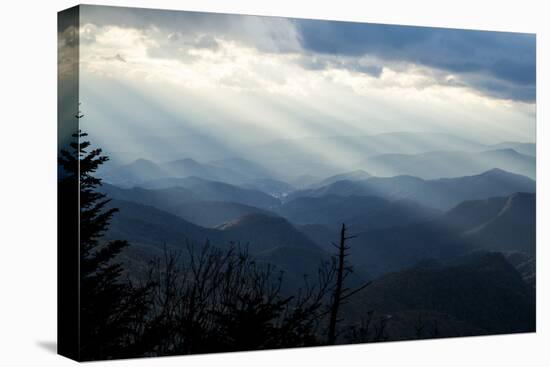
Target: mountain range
{"type": "Point", "coordinates": [143, 170]}
{"type": "Point", "coordinates": [171, 192]}
{"type": "Point", "coordinates": [445, 228]}
{"type": "Point", "coordinates": [438, 164]}
{"type": "Point", "coordinates": [291, 161]}
{"type": "Point", "coordinates": [316, 155]}
{"type": "Point", "coordinates": [439, 194]}
{"type": "Point", "coordinates": [503, 224]}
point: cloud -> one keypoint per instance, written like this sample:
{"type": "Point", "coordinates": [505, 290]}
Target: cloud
{"type": "Point", "coordinates": [67, 56]}
{"type": "Point", "coordinates": [267, 34]}
{"type": "Point", "coordinates": [261, 77]}
{"type": "Point", "coordinates": [497, 57]}
{"type": "Point", "coordinates": [498, 64]}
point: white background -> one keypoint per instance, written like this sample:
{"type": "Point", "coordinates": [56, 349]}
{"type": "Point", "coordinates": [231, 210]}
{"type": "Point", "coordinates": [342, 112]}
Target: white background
{"type": "Point", "coordinates": [28, 183]}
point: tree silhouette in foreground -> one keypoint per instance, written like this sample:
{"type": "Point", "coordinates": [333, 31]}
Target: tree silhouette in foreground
{"type": "Point", "coordinates": [221, 300]}
{"type": "Point", "coordinates": [341, 293]}
{"type": "Point", "coordinates": [109, 306]}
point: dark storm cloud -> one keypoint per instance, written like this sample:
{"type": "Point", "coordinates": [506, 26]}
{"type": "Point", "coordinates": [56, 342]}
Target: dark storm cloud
{"type": "Point", "coordinates": [322, 62]}
{"type": "Point", "coordinates": [501, 89]}
{"type": "Point", "coordinates": [506, 61]}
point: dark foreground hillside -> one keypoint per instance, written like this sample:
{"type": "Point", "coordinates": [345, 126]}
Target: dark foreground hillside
{"type": "Point", "coordinates": [477, 294]}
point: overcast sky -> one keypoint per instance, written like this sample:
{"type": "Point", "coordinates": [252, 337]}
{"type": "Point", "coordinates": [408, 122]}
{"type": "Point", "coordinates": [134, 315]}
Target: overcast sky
{"type": "Point", "coordinates": [249, 78]}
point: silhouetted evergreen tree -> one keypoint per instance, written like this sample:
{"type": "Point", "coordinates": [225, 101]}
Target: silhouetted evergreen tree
{"type": "Point", "coordinates": [111, 308]}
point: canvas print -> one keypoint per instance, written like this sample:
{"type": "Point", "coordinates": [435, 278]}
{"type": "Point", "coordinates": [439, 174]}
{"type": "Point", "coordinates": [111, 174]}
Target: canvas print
{"type": "Point", "coordinates": [238, 183]}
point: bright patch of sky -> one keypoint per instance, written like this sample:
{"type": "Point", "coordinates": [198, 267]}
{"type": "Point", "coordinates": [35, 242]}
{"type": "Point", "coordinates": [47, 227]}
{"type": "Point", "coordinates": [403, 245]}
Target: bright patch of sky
{"type": "Point", "coordinates": [241, 80]}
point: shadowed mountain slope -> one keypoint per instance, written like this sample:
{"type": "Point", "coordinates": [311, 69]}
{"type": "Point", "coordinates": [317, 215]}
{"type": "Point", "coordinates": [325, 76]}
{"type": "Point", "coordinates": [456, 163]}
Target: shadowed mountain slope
{"type": "Point", "coordinates": [512, 229]}
{"type": "Point", "coordinates": [482, 289]}
{"type": "Point", "coordinates": [504, 224]}
{"type": "Point", "coordinates": [146, 224]}
{"type": "Point", "coordinates": [264, 232]}
{"type": "Point", "coordinates": [269, 239]}
{"type": "Point", "coordinates": [215, 191]}
{"type": "Point", "coordinates": [360, 213]}
{"type": "Point", "coordinates": [214, 213]}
